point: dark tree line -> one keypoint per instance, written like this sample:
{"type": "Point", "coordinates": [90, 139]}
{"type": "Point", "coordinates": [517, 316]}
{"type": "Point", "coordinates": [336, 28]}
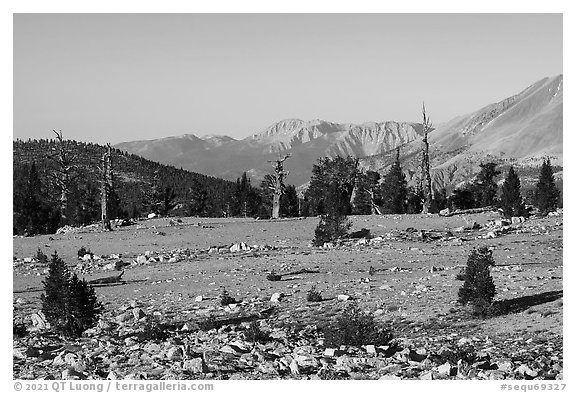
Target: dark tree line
{"type": "Point", "coordinates": [46, 196]}
{"type": "Point", "coordinates": [43, 202]}
{"type": "Point", "coordinates": [365, 192]}
{"type": "Point", "coordinates": [140, 187]}
{"type": "Point", "coordinates": [484, 191]}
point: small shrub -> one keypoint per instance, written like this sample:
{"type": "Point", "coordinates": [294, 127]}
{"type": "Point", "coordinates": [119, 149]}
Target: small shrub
{"type": "Point", "coordinates": [354, 327]}
{"type": "Point", "coordinates": [313, 295]}
{"type": "Point", "coordinates": [466, 354]}
{"type": "Point", "coordinates": [331, 227]}
{"type": "Point", "coordinates": [19, 329]}
{"type": "Point", "coordinates": [70, 304]}
{"type": "Point", "coordinates": [332, 374]}
{"type": "Point", "coordinates": [153, 330]}
{"type": "Point", "coordinates": [83, 251]}
{"type": "Point", "coordinates": [225, 298]}
{"type": "Point", "coordinates": [478, 288]}
{"type": "Point", "coordinates": [273, 276]}
{"type": "Point", "coordinates": [209, 323]}
{"type": "Point", "coordinates": [255, 334]}
{"type": "Point", "coordinates": [461, 275]}
{"type": "Point", "coordinates": [41, 257]}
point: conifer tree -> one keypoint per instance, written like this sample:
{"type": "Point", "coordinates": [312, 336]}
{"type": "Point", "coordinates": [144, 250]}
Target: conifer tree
{"type": "Point", "coordinates": [55, 292]}
{"type": "Point", "coordinates": [394, 188]}
{"type": "Point", "coordinates": [485, 187]}
{"type": "Point", "coordinates": [69, 304]}
{"type": "Point", "coordinates": [546, 194]}
{"type": "Point", "coordinates": [325, 173]}
{"type": "Point", "coordinates": [289, 202]}
{"type": "Point", "coordinates": [511, 200]}
{"type": "Point", "coordinates": [478, 287]}
{"type": "Point", "coordinates": [367, 195]}
{"type": "Point", "coordinates": [334, 224]}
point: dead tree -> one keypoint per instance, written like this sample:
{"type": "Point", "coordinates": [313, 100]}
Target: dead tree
{"type": "Point", "coordinates": [65, 173]}
{"type": "Point", "coordinates": [277, 185]}
{"type": "Point", "coordinates": [425, 179]}
{"type": "Point", "coordinates": [105, 187]}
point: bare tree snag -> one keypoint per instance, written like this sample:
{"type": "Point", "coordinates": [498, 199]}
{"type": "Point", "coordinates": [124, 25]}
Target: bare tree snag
{"type": "Point", "coordinates": [425, 174]}
{"type": "Point", "coordinates": [278, 184]}
{"type": "Point", "coordinates": [65, 173]}
{"type": "Point", "coordinates": [105, 187]}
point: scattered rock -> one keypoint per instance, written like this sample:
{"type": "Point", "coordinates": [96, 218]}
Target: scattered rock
{"type": "Point", "coordinates": [39, 321]}
{"type": "Point", "coordinates": [195, 366]}
{"type": "Point", "coordinates": [275, 298]}
{"type": "Point", "coordinates": [138, 313]}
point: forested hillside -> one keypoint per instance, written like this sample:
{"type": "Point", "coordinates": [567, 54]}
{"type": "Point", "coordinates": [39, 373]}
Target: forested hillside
{"type": "Point", "coordinates": [140, 187]}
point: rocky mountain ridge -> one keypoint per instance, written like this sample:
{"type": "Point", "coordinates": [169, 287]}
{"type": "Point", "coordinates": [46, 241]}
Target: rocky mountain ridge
{"type": "Point", "coordinates": [520, 130]}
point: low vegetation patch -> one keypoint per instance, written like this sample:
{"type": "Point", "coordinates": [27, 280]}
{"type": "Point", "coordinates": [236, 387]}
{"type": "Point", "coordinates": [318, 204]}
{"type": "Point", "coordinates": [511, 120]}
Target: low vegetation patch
{"type": "Point", "coordinates": [254, 334]}
{"type": "Point", "coordinates": [84, 251]}
{"type": "Point", "coordinates": [209, 323]}
{"type": "Point", "coordinates": [153, 330]}
{"type": "Point", "coordinates": [226, 299]}
{"type": "Point", "coordinates": [273, 276]}
{"type": "Point", "coordinates": [313, 295]}
{"type": "Point", "coordinates": [354, 327]}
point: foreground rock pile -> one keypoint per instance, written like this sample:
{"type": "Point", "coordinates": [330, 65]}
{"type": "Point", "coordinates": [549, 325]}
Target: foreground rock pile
{"type": "Point", "coordinates": [124, 346]}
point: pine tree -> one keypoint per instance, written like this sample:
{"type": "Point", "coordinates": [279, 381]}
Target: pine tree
{"type": "Point", "coordinates": [334, 224]}
{"type": "Point", "coordinates": [367, 195]}
{"type": "Point", "coordinates": [83, 305]}
{"type": "Point", "coordinates": [289, 202]}
{"type": "Point", "coordinates": [546, 194]}
{"type": "Point", "coordinates": [394, 188]}
{"type": "Point", "coordinates": [485, 187]}
{"type": "Point", "coordinates": [69, 304]}
{"type": "Point", "coordinates": [478, 287]}
{"type": "Point", "coordinates": [511, 200]}
{"type": "Point", "coordinates": [325, 173]}
{"type": "Point", "coordinates": [54, 298]}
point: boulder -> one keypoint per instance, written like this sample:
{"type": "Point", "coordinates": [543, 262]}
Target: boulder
{"type": "Point", "coordinates": [39, 321]}
{"type": "Point", "coordinates": [174, 353]}
{"type": "Point", "coordinates": [138, 313]}
{"type": "Point", "coordinates": [518, 220]}
{"type": "Point", "coordinates": [444, 369]}
{"type": "Point", "coordinates": [275, 298]}
{"type": "Point", "coordinates": [195, 366]}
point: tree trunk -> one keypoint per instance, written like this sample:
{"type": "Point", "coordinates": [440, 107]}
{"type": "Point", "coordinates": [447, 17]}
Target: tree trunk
{"type": "Point", "coordinates": [278, 186]}
{"type": "Point", "coordinates": [426, 164]}
{"type": "Point", "coordinates": [105, 187]}
{"type": "Point", "coordinates": [276, 206]}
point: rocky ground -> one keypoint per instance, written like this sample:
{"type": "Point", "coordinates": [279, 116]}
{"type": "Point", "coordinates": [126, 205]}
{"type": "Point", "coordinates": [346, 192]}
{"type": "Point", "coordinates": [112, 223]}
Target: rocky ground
{"type": "Point", "coordinates": [158, 319]}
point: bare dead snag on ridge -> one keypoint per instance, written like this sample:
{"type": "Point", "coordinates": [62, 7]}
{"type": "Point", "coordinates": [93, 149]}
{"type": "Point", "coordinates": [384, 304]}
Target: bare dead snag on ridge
{"type": "Point", "coordinates": [278, 184]}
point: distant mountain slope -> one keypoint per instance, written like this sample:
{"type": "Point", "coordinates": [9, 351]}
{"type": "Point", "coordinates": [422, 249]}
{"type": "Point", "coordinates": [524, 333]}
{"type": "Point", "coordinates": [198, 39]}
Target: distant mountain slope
{"type": "Point", "coordinates": [519, 129]}
{"type": "Point", "coordinates": [524, 125]}
{"type": "Point", "coordinates": [305, 140]}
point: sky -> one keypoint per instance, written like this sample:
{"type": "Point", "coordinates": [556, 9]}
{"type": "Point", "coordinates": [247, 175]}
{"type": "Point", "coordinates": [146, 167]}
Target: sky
{"type": "Point", "coordinates": [109, 78]}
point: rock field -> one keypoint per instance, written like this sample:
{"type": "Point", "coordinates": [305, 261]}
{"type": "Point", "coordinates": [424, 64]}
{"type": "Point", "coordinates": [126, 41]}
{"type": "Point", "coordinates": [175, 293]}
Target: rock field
{"type": "Point", "coordinates": [164, 319]}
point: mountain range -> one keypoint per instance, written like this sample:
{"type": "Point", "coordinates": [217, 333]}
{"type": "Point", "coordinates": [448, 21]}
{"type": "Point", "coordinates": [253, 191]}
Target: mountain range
{"type": "Point", "coordinates": [520, 129]}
